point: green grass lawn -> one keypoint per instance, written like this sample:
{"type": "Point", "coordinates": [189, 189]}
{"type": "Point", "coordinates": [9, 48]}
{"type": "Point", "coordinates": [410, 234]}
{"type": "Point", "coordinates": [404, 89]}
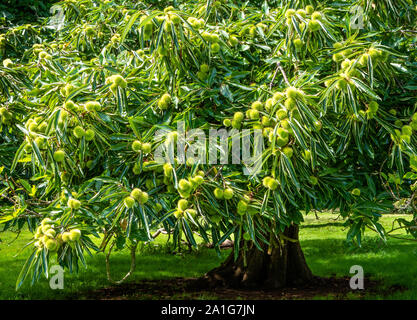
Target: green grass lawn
{"type": "Point", "coordinates": [323, 242]}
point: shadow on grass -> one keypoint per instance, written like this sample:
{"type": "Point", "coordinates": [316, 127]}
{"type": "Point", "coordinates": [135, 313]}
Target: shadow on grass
{"type": "Point", "coordinates": [322, 225]}
{"type": "Point", "coordinates": [389, 263]}
{"type": "Point", "coordinates": [155, 265]}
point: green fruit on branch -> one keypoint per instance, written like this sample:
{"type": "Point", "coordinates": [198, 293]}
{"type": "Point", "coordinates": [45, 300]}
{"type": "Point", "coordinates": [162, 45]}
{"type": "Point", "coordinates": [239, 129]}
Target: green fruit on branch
{"type": "Point", "coordinates": [236, 124]}
{"type": "Point", "coordinates": [228, 193]}
{"type": "Point", "coordinates": [92, 106]}
{"type": "Point", "coordinates": [198, 179]}
{"type": "Point", "coordinates": [50, 233]}
{"type": "Point", "coordinates": [202, 76]}
{"type": "Point", "coordinates": [309, 9]}
{"type": "Point", "coordinates": [51, 245]}
{"type": "Point", "coordinates": [238, 116]}
{"type": "Point", "coordinates": [272, 184]}
{"type": "Point", "coordinates": [7, 63]}
{"type": "Point", "coordinates": [89, 135]}
{"type": "Point", "coordinates": [168, 170]}
{"type": "Point", "coordinates": [265, 181]}
{"type": "Point", "coordinates": [115, 38]}
{"type": "Point", "coordinates": [59, 155]}
{"type": "Point", "coordinates": [218, 193]}
{"type": "Point", "coordinates": [215, 47]}
{"type": "Point", "coordinates": [337, 57]}
{"type": "Point", "coordinates": [266, 121]}
{"type": "Point", "coordinates": [257, 105]}
{"type": "Point", "coordinates": [139, 195]}
{"type": "Point", "coordinates": [136, 146]}
{"type": "Point", "coordinates": [182, 205]}
{"type": "Point", "coordinates": [70, 105]}
{"type": "Point", "coordinates": [290, 104]}
{"type": "Point", "coordinates": [406, 138]}
{"type": "Point", "coordinates": [269, 104]}
{"type": "Point", "coordinates": [278, 96]}
{"type": "Point", "coordinates": [375, 53]}
{"type": "Point", "coordinates": [281, 114]}
{"type": "Point", "coordinates": [129, 202]}
{"type": "Point", "coordinates": [143, 198]}
{"type": "Point", "coordinates": [253, 114]}
{"type": "Point", "coordinates": [302, 13]}
{"type": "Point", "coordinates": [314, 25]}
{"type": "Point", "coordinates": [289, 13]}
{"type": "Point", "coordinates": [307, 155]}
{"type": "Point", "coordinates": [283, 133]}
{"type": "Point", "coordinates": [75, 235]}
{"type": "Point", "coordinates": [292, 93]}
{"type": "Point", "coordinates": [184, 185]}
{"type": "Point", "coordinates": [373, 106]}
{"type": "Point", "coordinates": [341, 84]}
{"type": "Point", "coordinates": [45, 228]}
{"type": "Point", "coordinates": [314, 181]}
{"type": "Point", "coordinates": [78, 132]}
{"type": "Point", "coordinates": [191, 212]}
{"type": "Point", "coordinates": [282, 142]}
{"type": "Point", "coordinates": [178, 214]}
{"type": "Point", "coordinates": [146, 147]}
{"type": "Point", "coordinates": [164, 101]}
{"type": "Point", "coordinates": [407, 130]}
{"type": "Point", "coordinates": [43, 55]}
{"type": "Point", "coordinates": [206, 36]}
{"type": "Point", "coordinates": [346, 64]}
{"type": "Point", "coordinates": [316, 15]}
{"type": "Point", "coordinates": [242, 207]}
{"type": "Point", "coordinates": [288, 151]}
{"type": "Point", "coordinates": [298, 43]}
{"type": "Point", "coordinates": [363, 60]}
{"type": "Point", "coordinates": [117, 81]}
{"type": "Point", "coordinates": [233, 40]}
{"type": "Point", "coordinates": [393, 112]}
{"type": "Point", "coordinates": [74, 204]}
{"type": "Point", "coordinates": [135, 193]}
{"type": "Point", "coordinates": [356, 192]}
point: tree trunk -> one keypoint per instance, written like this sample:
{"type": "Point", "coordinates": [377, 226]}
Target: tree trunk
{"type": "Point", "coordinates": [278, 266]}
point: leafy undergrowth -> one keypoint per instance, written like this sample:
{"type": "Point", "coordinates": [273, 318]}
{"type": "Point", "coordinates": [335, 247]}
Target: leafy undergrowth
{"type": "Point", "coordinates": [389, 269]}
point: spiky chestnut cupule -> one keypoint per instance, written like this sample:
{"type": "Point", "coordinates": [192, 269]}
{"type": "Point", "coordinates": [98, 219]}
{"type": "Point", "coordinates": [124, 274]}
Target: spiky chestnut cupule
{"type": "Point", "coordinates": [59, 156]}
{"type": "Point", "coordinates": [74, 204]}
{"type": "Point", "coordinates": [75, 235]}
{"type": "Point", "coordinates": [218, 193]}
{"type": "Point", "coordinates": [129, 202]}
{"type": "Point", "coordinates": [182, 205]}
